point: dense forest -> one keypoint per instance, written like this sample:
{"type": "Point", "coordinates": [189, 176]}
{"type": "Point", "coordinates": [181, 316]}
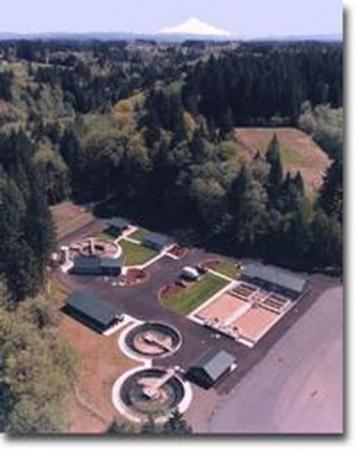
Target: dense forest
{"type": "Point", "coordinates": [150, 128]}
{"type": "Point", "coordinates": [147, 130]}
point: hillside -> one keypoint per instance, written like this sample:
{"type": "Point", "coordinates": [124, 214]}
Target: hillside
{"type": "Point", "coordinates": [298, 151]}
{"type": "Point", "coordinates": [31, 98]}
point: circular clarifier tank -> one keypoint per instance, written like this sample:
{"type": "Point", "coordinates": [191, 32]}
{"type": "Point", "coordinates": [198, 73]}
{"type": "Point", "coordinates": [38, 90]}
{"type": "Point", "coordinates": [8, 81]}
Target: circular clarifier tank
{"type": "Point", "coordinates": [153, 340]}
{"type": "Point", "coordinates": [151, 392]}
{"type": "Point", "coordinates": [96, 247]}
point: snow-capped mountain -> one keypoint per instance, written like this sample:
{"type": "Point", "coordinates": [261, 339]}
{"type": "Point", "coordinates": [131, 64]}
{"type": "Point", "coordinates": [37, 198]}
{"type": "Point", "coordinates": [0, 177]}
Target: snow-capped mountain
{"type": "Point", "coordinates": [195, 27]}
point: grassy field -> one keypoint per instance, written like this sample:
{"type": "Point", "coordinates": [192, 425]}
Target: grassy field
{"type": "Point", "coordinates": [227, 268]}
{"type": "Point", "coordinates": [192, 296]}
{"type": "Point", "coordinates": [298, 151]}
{"type": "Point", "coordinates": [139, 234]}
{"type": "Point", "coordinates": [135, 254]}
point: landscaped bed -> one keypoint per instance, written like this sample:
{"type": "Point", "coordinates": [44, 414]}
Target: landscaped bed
{"type": "Point", "coordinates": [134, 277]}
{"type": "Point", "coordinates": [177, 251]}
{"type": "Point", "coordinates": [135, 254]}
{"type": "Point", "coordinates": [185, 300]}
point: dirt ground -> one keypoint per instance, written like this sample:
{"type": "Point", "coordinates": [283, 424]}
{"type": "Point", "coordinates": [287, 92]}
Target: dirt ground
{"type": "Point", "coordinates": [298, 386]}
{"type": "Point", "coordinates": [101, 364]}
{"type": "Point", "coordinates": [68, 217]}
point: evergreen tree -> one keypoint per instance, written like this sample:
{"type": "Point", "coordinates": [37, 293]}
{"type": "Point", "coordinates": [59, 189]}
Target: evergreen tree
{"type": "Point", "coordinates": [199, 148]}
{"type": "Point", "coordinates": [39, 226]}
{"type": "Point", "coordinates": [150, 427]}
{"type": "Point", "coordinates": [296, 238]}
{"type": "Point", "coordinates": [116, 428]}
{"type": "Point", "coordinates": [177, 425]}
{"type": "Point", "coordinates": [275, 178]}
{"type": "Point", "coordinates": [299, 183]}
{"type": "Point", "coordinates": [17, 261]}
{"type": "Point", "coordinates": [248, 201]}
{"type": "Point", "coordinates": [292, 193]}
{"type": "Point", "coordinates": [327, 235]}
{"type": "Point", "coordinates": [331, 194]}
{"type": "Point", "coordinates": [69, 148]}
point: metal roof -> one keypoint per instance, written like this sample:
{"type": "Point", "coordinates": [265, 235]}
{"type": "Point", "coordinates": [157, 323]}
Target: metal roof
{"type": "Point", "coordinates": [214, 362]}
{"type": "Point", "coordinates": [111, 262]}
{"type": "Point", "coordinates": [93, 307]}
{"type": "Point", "coordinates": [87, 262]}
{"type": "Point", "coordinates": [158, 239]}
{"type": "Point", "coordinates": [118, 222]}
{"type": "Point", "coordinates": [275, 275]}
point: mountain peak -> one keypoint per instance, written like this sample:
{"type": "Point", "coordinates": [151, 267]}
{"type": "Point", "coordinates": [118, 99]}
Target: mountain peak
{"type": "Point", "coordinates": [194, 26]}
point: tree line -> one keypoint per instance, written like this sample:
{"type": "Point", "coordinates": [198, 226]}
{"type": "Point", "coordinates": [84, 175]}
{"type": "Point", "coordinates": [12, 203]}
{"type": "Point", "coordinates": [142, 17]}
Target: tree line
{"type": "Point", "coordinates": [265, 85]}
{"type": "Point", "coordinates": [26, 227]}
{"type": "Point", "coordinates": [36, 368]}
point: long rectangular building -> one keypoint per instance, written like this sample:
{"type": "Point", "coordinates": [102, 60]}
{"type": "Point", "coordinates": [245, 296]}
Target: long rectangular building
{"type": "Point", "coordinates": [94, 265]}
{"type": "Point", "coordinates": [93, 311]}
{"type": "Point", "coordinates": [275, 278]}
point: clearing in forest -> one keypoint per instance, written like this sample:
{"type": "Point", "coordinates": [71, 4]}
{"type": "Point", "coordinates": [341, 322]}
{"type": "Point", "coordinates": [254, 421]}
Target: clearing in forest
{"type": "Point", "coordinates": [69, 217]}
{"type": "Point", "coordinates": [298, 152]}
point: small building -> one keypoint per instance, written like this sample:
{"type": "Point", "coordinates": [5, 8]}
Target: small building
{"type": "Point", "coordinates": [111, 267]}
{"type": "Point", "coordinates": [86, 265]}
{"type": "Point", "coordinates": [94, 265]}
{"type": "Point", "coordinates": [93, 311]}
{"type": "Point", "coordinates": [116, 226]}
{"type": "Point", "coordinates": [157, 241]}
{"type": "Point", "coordinates": [190, 273]}
{"type": "Point", "coordinates": [275, 278]}
{"type": "Point", "coordinates": [211, 367]}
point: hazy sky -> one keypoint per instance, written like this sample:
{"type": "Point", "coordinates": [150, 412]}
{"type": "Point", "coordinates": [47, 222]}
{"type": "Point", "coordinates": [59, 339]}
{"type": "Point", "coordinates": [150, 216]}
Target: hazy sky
{"type": "Point", "coordinates": [246, 18]}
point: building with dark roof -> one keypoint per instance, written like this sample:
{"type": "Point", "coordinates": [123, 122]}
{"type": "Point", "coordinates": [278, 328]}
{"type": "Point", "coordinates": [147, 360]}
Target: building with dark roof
{"type": "Point", "coordinates": [210, 367]}
{"type": "Point", "coordinates": [157, 241]}
{"type": "Point", "coordinates": [111, 266]}
{"type": "Point", "coordinates": [275, 278]}
{"type": "Point", "coordinates": [116, 226]}
{"type": "Point", "coordinates": [95, 265]}
{"type": "Point", "coordinates": [86, 265]}
{"type": "Point", "coordinates": [93, 311]}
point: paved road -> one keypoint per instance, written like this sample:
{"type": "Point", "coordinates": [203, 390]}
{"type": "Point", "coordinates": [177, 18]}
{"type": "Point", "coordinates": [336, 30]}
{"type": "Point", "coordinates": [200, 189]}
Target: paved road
{"type": "Point", "coordinates": [298, 386]}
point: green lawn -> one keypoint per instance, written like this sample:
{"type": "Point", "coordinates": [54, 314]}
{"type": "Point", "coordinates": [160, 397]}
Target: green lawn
{"type": "Point", "coordinates": [139, 234]}
{"type": "Point", "coordinates": [227, 268]}
{"type": "Point", "coordinates": [135, 254]}
{"type": "Point", "coordinates": [195, 294]}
